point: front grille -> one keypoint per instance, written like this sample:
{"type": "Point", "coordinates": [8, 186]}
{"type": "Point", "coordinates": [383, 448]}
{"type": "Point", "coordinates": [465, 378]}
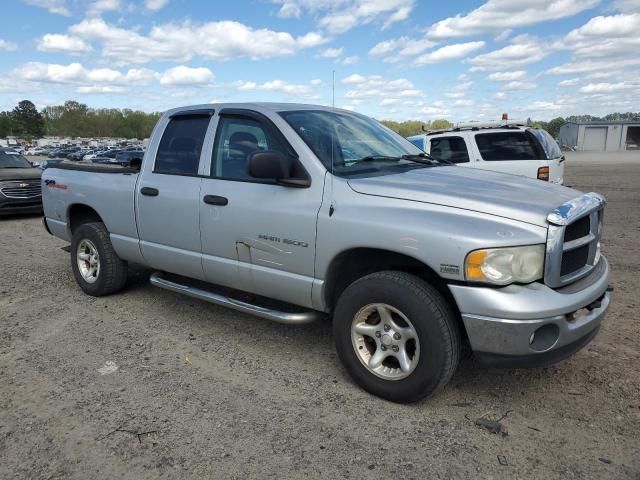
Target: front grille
{"type": "Point", "coordinates": [573, 242]}
{"type": "Point", "coordinates": [574, 260]}
{"type": "Point", "coordinates": [579, 229]}
{"type": "Point", "coordinates": [21, 189]}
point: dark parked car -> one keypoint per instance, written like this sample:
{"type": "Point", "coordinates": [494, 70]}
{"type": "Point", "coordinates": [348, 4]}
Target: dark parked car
{"type": "Point", "coordinates": [20, 190]}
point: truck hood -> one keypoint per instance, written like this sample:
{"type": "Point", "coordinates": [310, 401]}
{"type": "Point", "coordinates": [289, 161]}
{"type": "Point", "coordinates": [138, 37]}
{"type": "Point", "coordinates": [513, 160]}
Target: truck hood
{"type": "Point", "coordinates": [510, 196]}
{"type": "Point", "coordinates": [19, 173]}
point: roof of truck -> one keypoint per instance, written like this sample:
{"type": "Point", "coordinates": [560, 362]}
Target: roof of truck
{"type": "Point", "coordinates": [271, 106]}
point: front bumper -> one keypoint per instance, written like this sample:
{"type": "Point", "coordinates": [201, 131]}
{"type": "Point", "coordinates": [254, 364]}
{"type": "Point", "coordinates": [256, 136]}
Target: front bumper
{"type": "Point", "coordinates": [533, 325]}
{"type": "Point", "coordinates": [11, 206]}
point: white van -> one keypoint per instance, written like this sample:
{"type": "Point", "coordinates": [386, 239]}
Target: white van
{"type": "Point", "coordinates": [505, 147]}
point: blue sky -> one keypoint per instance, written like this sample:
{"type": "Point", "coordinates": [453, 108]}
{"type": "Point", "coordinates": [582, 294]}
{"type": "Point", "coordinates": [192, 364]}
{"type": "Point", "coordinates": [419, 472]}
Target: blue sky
{"type": "Point", "coordinates": [393, 59]}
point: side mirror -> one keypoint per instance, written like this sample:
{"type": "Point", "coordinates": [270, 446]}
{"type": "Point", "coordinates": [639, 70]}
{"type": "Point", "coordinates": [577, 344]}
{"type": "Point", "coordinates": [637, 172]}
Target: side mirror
{"type": "Point", "coordinates": [273, 165]}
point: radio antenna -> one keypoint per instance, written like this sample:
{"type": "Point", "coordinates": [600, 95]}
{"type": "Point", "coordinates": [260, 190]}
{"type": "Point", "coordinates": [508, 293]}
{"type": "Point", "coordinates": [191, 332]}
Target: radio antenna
{"type": "Point", "coordinates": [333, 88]}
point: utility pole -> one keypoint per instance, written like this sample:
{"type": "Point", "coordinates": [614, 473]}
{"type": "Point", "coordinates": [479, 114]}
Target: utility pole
{"type": "Point", "coordinates": [333, 88]}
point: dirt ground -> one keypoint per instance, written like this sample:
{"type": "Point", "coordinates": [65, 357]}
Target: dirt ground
{"type": "Point", "coordinates": [199, 391]}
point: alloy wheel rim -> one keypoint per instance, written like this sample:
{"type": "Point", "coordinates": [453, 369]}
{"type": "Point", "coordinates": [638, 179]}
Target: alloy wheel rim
{"type": "Point", "coordinates": [88, 260]}
{"type": "Point", "coordinates": [385, 341]}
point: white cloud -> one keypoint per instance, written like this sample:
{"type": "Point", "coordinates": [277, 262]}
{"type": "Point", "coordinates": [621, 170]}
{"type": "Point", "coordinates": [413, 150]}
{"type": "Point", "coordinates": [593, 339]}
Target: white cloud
{"type": "Point", "coordinates": [100, 6]}
{"type": "Point", "coordinates": [569, 82]}
{"type": "Point", "coordinates": [354, 78]}
{"type": "Point", "coordinates": [599, 65]}
{"type": "Point", "coordinates": [503, 36]}
{"type": "Point", "coordinates": [543, 105]}
{"type": "Point", "coordinates": [499, 15]}
{"type": "Point", "coordinates": [331, 52]}
{"type": "Point", "coordinates": [522, 51]}
{"type": "Point", "coordinates": [350, 60]}
{"type": "Point", "coordinates": [517, 85]}
{"type": "Point", "coordinates": [7, 46]}
{"type": "Point", "coordinates": [448, 52]}
{"type": "Point", "coordinates": [58, 7]}
{"type": "Point", "coordinates": [507, 76]}
{"type": "Point", "coordinates": [435, 110]}
{"type": "Point", "coordinates": [222, 40]}
{"type": "Point", "coordinates": [628, 6]}
{"type": "Point", "coordinates": [101, 89]}
{"type": "Point", "coordinates": [397, 48]}
{"type": "Point", "coordinates": [183, 75]}
{"type": "Point", "coordinates": [290, 89]}
{"type": "Point", "coordinates": [55, 43]}
{"type": "Point", "coordinates": [609, 87]}
{"type": "Point", "coordinates": [377, 86]}
{"type": "Point", "coordinates": [339, 16]}
{"type": "Point", "coordinates": [389, 101]}
{"type": "Point", "coordinates": [460, 90]}
{"type": "Point", "coordinates": [155, 5]}
{"type": "Point", "coordinates": [78, 76]}
{"type": "Point", "coordinates": [605, 37]}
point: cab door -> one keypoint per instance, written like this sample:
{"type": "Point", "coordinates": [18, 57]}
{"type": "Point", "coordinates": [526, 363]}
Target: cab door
{"type": "Point", "coordinates": [168, 196]}
{"type": "Point", "coordinates": [257, 236]}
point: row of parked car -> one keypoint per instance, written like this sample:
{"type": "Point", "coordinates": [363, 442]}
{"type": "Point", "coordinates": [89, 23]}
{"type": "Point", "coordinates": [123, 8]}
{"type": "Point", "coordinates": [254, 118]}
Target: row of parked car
{"type": "Point", "coordinates": [123, 156]}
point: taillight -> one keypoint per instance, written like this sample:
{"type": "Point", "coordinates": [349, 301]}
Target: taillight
{"type": "Point", "coordinates": [543, 174]}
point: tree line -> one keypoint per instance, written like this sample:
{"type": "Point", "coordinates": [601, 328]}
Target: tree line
{"type": "Point", "coordinates": [75, 119]}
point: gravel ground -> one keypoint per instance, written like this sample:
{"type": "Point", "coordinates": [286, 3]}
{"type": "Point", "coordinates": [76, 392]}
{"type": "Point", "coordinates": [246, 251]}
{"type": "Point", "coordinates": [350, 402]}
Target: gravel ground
{"type": "Point", "coordinates": [204, 392]}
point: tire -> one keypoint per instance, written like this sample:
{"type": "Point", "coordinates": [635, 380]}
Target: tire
{"type": "Point", "coordinates": [110, 275]}
{"type": "Point", "coordinates": [431, 356]}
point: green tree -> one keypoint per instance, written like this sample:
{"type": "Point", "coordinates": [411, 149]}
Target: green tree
{"type": "Point", "coordinates": [553, 127]}
{"type": "Point", "coordinates": [440, 124]}
{"type": "Point", "coordinates": [28, 120]}
{"type": "Point", "coordinates": [7, 124]}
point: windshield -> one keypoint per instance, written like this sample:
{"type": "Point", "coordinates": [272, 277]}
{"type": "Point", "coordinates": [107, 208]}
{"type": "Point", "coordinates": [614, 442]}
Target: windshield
{"type": "Point", "coordinates": [356, 144]}
{"type": "Point", "coordinates": [13, 160]}
{"type": "Point", "coordinates": [548, 143]}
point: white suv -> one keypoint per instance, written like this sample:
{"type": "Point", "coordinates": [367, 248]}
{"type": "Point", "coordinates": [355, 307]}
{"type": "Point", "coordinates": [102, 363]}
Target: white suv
{"type": "Point", "coordinates": [505, 147]}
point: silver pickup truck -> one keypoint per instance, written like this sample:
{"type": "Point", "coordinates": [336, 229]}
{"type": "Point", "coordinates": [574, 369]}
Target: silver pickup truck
{"type": "Point", "coordinates": [294, 212]}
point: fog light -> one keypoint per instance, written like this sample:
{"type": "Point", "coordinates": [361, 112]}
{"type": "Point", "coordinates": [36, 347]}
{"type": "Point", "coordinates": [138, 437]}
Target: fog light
{"type": "Point", "coordinates": [544, 337]}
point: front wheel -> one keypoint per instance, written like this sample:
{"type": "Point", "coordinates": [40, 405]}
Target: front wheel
{"type": "Point", "coordinates": [397, 336]}
{"type": "Point", "coordinates": [95, 264]}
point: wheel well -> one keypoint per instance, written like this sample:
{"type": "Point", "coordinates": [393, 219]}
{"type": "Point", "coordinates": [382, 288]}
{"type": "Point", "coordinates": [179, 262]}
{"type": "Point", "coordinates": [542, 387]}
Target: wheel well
{"type": "Point", "coordinates": [81, 214]}
{"type": "Point", "coordinates": [353, 264]}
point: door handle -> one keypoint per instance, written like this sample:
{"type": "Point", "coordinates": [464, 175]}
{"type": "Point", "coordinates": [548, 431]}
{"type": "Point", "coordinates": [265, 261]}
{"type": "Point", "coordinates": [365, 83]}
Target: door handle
{"type": "Point", "coordinates": [149, 191]}
{"type": "Point", "coordinates": [215, 200]}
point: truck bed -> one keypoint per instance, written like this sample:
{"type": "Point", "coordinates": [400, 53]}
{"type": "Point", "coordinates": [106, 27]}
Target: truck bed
{"type": "Point", "coordinates": [96, 167]}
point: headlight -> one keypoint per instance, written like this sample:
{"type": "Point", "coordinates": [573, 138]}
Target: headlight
{"type": "Point", "coordinates": [502, 266]}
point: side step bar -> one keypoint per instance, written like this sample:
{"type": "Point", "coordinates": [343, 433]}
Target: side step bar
{"type": "Point", "coordinates": [289, 318]}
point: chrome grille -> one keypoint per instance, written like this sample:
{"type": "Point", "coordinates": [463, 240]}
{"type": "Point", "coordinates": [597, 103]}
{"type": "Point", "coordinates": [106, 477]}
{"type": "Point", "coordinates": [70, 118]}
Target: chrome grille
{"type": "Point", "coordinates": [21, 188]}
{"type": "Point", "coordinates": [573, 241]}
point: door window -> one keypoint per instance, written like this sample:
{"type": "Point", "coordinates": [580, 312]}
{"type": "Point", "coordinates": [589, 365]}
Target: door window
{"type": "Point", "coordinates": [181, 144]}
{"type": "Point", "coordinates": [451, 149]}
{"type": "Point", "coordinates": [236, 140]}
{"type": "Point", "coordinates": [509, 146]}
{"type": "Point", "coordinates": [548, 143]}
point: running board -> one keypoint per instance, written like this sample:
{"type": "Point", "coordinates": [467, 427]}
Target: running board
{"type": "Point", "coordinates": [289, 318]}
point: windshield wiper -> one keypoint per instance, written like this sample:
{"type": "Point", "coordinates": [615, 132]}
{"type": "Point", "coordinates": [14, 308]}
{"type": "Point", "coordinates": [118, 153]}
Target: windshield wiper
{"type": "Point", "coordinates": [425, 158]}
{"type": "Point", "coordinates": [372, 158]}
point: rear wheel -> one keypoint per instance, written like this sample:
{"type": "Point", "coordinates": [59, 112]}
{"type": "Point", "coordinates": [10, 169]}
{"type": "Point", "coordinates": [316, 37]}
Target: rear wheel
{"type": "Point", "coordinates": [95, 264]}
{"type": "Point", "coordinates": [397, 336]}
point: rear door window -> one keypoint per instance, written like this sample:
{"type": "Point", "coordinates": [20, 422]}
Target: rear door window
{"type": "Point", "coordinates": [516, 145]}
{"type": "Point", "coordinates": [550, 146]}
{"type": "Point", "coordinates": [181, 145]}
{"type": "Point", "coordinates": [451, 149]}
